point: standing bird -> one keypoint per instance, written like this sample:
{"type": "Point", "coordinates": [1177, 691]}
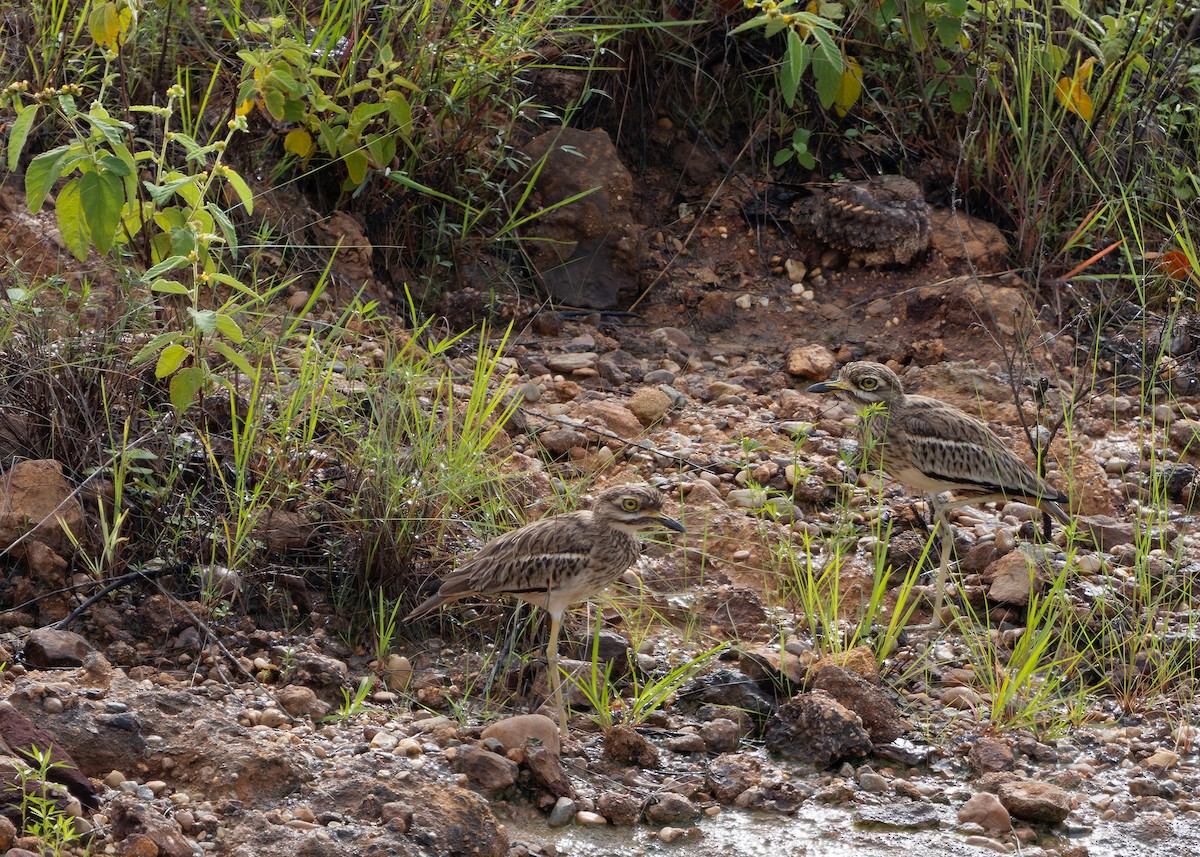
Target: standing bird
{"type": "Point", "coordinates": [934, 447]}
{"type": "Point", "coordinates": [554, 562]}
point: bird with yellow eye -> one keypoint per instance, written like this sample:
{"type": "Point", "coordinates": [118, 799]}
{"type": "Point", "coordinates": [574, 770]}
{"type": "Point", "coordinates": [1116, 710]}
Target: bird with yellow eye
{"type": "Point", "coordinates": [558, 561]}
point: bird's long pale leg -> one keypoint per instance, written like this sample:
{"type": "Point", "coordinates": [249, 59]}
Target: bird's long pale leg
{"type": "Point", "coordinates": [552, 677]}
{"type": "Point", "coordinates": [945, 534]}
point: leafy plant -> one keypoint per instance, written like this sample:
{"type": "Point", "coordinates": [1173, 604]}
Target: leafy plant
{"type": "Point", "coordinates": [353, 704]}
{"type": "Point", "coordinates": [640, 698]}
{"type": "Point", "coordinates": [41, 814]}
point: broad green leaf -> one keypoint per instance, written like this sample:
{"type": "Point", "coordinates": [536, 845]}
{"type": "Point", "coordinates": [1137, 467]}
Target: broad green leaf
{"type": "Point", "coordinates": [101, 201]}
{"type": "Point", "coordinates": [949, 29]}
{"type": "Point", "coordinates": [184, 385]}
{"type": "Point", "coordinates": [104, 126]}
{"type": "Point", "coordinates": [114, 165]}
{"type": "Point", "coordinates": [782, 157]}
{"type": "Point", "coordinates": [356, 166]}
{"type": "Point", "coordinates": [71, 224]}
{"type": "Point", "coordinates": [298, 142]}
{"type": "Point", "coordinates": [958, 8]}
{"type": "Point", "coordinates": [795, 63]}
{"type": "Point", "coordinates": [167, 265]}
{"type": "Point", "coordinates": [382, 148]}
{"type": "Point", "coordinates": [229, 328]}
{"type": "Point", "coordinates": [183, 240]}
{"type": "Point", "coordinates": [204, 319]}
{"type": "Point", "coordinates": [756, 21]}
{"type": "Point", "coordinates": [827, 68]}
{"type": "Point", "coordinates": [185, 186]}
{"type": "Point", "coordinates": [170, 359]}
{"type": "Point", "coordinates": [41, 174]}
{"type": "Point", "coordinates": [226, 227]}
{"type": "Point", "coordinates": [169, 287]}
{"type": "Point", "coordinates": [274, 102]}
{"type": "Point", "coordinates": [155, 345]}
{"type": "Point", "coordinates": [240, 188]}
{"type": "Point", "coordinates": [235, 284]}
{"type": "Point", "coordinates": [235, 358]}
{"type": "Point", "coordinates": [401, 112]}
{"type": "Point", "coordinates": [19, 133]}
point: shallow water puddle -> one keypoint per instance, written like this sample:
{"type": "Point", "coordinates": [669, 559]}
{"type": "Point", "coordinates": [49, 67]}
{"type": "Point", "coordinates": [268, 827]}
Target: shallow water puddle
{"type": "Point", "coordinates": [817, 831]}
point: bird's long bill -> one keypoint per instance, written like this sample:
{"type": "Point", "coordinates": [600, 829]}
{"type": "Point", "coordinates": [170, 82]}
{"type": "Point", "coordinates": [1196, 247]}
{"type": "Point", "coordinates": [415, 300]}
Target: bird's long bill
{"type": "Point", "coordinates": [669, 523]}
{"type": "Point", "coordinates": [832, 386]}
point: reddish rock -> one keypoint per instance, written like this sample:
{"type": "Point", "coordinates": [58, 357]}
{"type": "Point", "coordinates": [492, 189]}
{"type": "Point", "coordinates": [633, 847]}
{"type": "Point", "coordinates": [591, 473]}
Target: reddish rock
{"type": "Point", "coordinates": [515, 732]}
{"type": "Point", "coordinates": [300, 701]}
{"type": "Point", "coordinates": [44, 564]}
{"type": "Point", "coordinates": [545, 767]}
{"type": "Point", "coordinates": [485, 769]}
{"type": "Point", "coordinates": [813, 362]}
{"type": "Point", "coordinates": [1041, 803]}
{"type": "Point", "coordinates": [618, 419]}
{"type": "Point", "coordinates": [619, 808]}
{"type": "Point", "coordinates": [650, 405]}
{"type": "Point", "coordinates": [1014, 577]}
{"type": "Point", "coordinates": [986, 810]}
{"type": "Point", "coordinates": [49, 648]}
{"type": "Point", "coordinates": [879, 715]}
{"type": "Point", "coordinates": [989, 755]}
{"type": "Point", "coordinates": [22, 736]}
{"type": "Point", "coordinates": [626, 746]}
{"type": "Point", "coordinates": [34, 495]}
{"type": "Point", "coordinates": [589, 250]}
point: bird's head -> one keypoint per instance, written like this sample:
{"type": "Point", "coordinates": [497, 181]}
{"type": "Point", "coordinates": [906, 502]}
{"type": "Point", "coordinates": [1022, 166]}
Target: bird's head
{"type": "Point", "coordinates": [633, 508]}
{"type": "Point", "coordinates": [863, 383]}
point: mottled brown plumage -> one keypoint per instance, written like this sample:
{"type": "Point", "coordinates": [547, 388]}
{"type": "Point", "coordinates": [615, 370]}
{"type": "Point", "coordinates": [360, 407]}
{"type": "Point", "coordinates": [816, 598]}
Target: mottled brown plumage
{"type": "Point", "coordinates": [934, 447]}
{"type": "Point", "coordinates": [882, 220]}
{"type": "Point", "coordinates": [557, 561]}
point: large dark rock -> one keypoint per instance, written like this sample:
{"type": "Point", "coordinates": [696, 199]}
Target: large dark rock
{"type": "Point", "coordinates": [589, 250]}
{"type": "Point", "coordinates": [814, 727]}
{"type": "Point", "coordinates": [51, 648]}
{"type": "Point", "coordinates": [728, 688]}
{"type": "Point", "coordinates": [879, 715]}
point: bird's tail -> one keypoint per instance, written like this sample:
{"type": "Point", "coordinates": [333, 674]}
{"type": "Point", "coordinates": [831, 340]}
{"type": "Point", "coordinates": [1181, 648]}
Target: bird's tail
{"type": "Point", "coordinates": [427, 606]}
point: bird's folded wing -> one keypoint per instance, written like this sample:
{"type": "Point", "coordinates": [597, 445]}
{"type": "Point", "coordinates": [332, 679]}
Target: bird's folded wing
{"type": "Point", "coordinates": [963, 451]}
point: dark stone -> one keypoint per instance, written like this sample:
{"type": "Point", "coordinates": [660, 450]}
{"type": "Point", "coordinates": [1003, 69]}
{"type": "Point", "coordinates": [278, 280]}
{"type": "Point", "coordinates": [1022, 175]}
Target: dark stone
{"type": "Point", "coordinates": [49, 648]}
{"type": "Point", "coordinates": [587, 251]}
{"type": "Point", "coordinates": [22, 736]}
{"type": "Point", "coordinates": [1042, 803]}
{"type": "Point", "coordinates": [129, 817]}
{"type": "Point", "coordinates": [670, 808]}
{"type": "Point", "coordinates": [729, 688]}
{"type": "Point", "coordinates": [729, 776]}
{"type": "Point", "coordinates": [625, 746]}
{"type": "Point", "coordinates": [879, 715]}
{"type": "Point", "coordinates": [901, 815]}
{"type": "Point", "coordinates": [814, 727]}
{"type": "Point", "coordinates": [990, 754]}
{"type": "Point", "coordinates": [619, 808]}
{"type": "Point", "coordinates": [545, 767]}
{"type": "Point", "coordinates": [485, 769]}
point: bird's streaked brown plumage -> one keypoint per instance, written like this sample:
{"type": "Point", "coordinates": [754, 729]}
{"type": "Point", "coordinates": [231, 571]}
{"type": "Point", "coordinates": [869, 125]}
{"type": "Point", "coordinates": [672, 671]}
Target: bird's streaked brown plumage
{"type": "Point", "coordinates": [557, 561]}
{"type": "Point", "coordinates": [934, 447]}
